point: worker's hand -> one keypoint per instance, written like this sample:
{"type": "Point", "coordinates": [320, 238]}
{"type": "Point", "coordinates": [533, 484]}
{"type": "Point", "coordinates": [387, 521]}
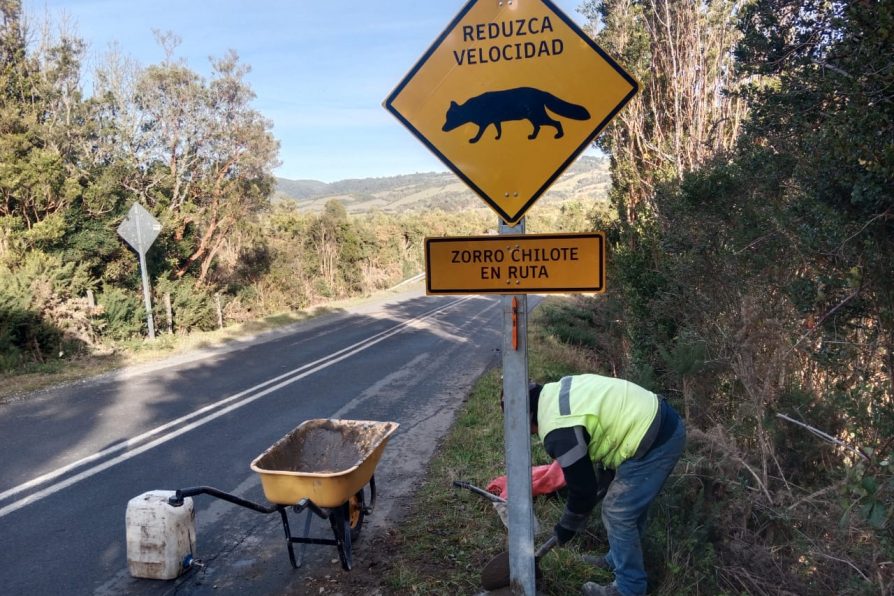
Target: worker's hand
{"type": "Point", "coordinates": [570, 524]}
{"type": "Point", "coordinates": [563, 534]}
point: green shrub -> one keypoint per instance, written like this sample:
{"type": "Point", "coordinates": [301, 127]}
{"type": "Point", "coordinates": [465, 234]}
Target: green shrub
{"type": "Point", "coordinates": [193, 306]}
{"type": "Point", "coordinates": [122, 315]}
{"type": "Point", "coordinates": [39, 316]}
{"type": "Point", "coordinates": [24, 335]}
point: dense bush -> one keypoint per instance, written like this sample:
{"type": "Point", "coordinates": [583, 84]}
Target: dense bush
{"type": "Point", "coordinates": [41, 314]}
{"type": "Point", "coordinates": [122, 315]}
{"type": "Point", "coordinates": [194, 307]}
{"type": "Point", "coordinates": [757, 290]}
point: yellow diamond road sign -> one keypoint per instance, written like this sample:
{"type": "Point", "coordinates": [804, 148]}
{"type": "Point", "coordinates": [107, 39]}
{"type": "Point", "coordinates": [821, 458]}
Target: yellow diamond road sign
{"type": "Point", "coordinates": [508, 96]}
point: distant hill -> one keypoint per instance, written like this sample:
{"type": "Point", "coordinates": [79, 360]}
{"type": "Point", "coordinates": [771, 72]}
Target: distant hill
{"type": "Point", "coordinates": [587, 179]}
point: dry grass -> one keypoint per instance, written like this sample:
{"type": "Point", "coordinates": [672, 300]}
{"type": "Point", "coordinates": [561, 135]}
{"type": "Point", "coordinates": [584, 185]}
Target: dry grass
{"type": "Point", "coordinates": [16, 386]}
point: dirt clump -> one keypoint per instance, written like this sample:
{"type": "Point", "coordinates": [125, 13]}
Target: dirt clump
{"type": "Point", "coordinates": [324, 447]}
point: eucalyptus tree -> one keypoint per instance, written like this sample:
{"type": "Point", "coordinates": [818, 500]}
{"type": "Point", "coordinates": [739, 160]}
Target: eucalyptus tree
{"type": "Point", "coordinates": [684, 115]}
{"type": "Point", "coordinates": [754, 263]}
{"type": "Point", "coordinates": [45, 137]}
{"type": "Point", "coordinates": [193, 149]}
{"type": "Point", "coordinates": [44, 126]}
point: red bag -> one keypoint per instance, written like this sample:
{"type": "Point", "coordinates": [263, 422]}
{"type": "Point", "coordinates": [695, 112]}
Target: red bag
{"type": "Point", "coordinates": [544, 480]}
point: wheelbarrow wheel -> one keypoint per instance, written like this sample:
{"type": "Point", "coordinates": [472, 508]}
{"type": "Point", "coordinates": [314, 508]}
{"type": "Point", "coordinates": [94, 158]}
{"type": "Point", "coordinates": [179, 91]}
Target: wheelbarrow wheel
{"type": "Point", "coordinates": [342, 530]}
{"type": "Point", "coordinates": [355, 514]}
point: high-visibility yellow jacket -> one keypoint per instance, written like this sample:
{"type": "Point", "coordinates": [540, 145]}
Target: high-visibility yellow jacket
{"type": "Point", "coordinates": [616, 413]}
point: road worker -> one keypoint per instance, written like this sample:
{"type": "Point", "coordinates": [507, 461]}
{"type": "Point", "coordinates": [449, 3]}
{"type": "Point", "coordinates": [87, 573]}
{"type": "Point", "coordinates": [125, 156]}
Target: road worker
{"type": "Point", "coordinates": [597, 427]}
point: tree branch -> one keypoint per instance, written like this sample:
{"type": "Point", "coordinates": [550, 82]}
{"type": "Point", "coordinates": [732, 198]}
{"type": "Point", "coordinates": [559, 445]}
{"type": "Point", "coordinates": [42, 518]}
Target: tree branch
{"type": "Point", "coordinates": [828, 314]}
{"type": "Point", "coordinates": [825, 436]}
{"type": "Point", "coordinates": [832, 67]}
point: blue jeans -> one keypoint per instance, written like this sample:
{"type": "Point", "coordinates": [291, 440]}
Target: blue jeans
{"type": "Point", "coordinates": [626, 505]}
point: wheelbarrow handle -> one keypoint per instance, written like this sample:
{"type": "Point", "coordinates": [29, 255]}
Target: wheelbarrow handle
{"type": "Point", "coordinates": [180, 494]}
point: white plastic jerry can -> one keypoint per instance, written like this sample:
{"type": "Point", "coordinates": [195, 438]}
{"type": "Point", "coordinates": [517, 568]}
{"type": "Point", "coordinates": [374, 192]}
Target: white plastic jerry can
{"type": "Point", "coordinates": [161, 538]}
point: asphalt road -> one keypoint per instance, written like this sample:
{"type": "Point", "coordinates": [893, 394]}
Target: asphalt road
{"type": "Point", "coordinates": [73, 456]}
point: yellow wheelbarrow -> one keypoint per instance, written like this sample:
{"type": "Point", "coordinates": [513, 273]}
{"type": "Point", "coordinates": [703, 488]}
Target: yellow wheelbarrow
{"type": "Point", "coordinates": [322, 466]}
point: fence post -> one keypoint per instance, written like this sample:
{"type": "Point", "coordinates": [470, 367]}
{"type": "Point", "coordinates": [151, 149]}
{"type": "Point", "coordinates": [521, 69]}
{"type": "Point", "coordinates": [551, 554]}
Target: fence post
{"type": "Point", "coordinates": [170, 312]}
{"type": "Point", "coordinates": [219, 311]}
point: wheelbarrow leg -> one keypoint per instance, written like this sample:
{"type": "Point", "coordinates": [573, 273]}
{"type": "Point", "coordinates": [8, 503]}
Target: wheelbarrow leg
{"type": "Point", "coordinates": [308, 517]}
{"type": "Point", "coordinates": [290, 541]}
{"type": "Point", "coordinates": [288, 531]}
{"type": "Point", "coordinates": [372, 495]}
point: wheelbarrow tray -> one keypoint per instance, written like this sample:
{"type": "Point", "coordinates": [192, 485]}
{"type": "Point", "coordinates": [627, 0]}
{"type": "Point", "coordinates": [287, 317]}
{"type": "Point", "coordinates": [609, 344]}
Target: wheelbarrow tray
{"type": "Point", "coordinates": [325, 460]}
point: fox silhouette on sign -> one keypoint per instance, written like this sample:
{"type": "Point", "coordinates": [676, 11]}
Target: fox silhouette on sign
{"type": "Point", "coordinates": [522, 103]}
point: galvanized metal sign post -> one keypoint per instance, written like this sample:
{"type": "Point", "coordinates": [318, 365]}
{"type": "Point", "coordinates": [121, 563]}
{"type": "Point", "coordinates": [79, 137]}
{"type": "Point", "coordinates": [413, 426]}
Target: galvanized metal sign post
{"type": "Point", "coordinates": [140, 229]}
{"type": "Point", "coordinates": [517, 436]}
{"type": "Point", "coordinates": [507, 97]}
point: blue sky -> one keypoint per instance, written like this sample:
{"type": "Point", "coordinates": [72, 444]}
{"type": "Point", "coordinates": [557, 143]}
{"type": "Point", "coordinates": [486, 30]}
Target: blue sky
{"type": "Point", "coordinates": [320, 68]}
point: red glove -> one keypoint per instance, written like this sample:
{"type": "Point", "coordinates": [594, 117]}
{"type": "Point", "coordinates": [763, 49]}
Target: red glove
{"type": "Point", "coordinates": [545, 480]}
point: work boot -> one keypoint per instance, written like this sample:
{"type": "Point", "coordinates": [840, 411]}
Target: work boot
{"type": "Point", "coordinates": [591, 589]}
{"type": "Point", "coordinates": [597, 561]}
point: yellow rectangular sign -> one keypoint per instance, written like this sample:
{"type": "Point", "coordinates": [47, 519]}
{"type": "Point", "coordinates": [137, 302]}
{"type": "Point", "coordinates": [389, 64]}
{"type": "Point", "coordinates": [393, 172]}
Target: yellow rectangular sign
{"type": "Point", "coordinates": [537, 263]}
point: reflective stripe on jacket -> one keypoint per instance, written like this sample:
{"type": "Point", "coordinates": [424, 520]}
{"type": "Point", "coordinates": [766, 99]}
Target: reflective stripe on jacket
{"type": "Point", "coordinates": [616, 413]}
